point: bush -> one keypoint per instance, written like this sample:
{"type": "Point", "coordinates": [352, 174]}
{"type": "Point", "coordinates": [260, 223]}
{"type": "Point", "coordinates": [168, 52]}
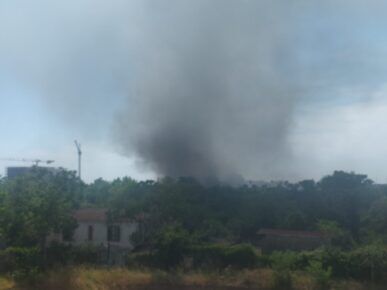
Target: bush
{"type": "Point", "coordinates": [240, 256]}
{"type": "Point", "coordinates": [334, 258]}
{"type": "Point", "coordinates": [148, 260]}
{"type": "Point", "coordinates": [222, 256]}
{"type": "Point", "coordinates": [172, 245]}
{"type": "Point", "coordinates": [368, 262]}
{"type": "Point", "coordinates": [321, 276]}
{"type": "Point", "coordinates": [282, 280]}
{"type": "Point", "coordinates": [286, 260]}
{"type": "Point", "coordinates": [364, 263]}
{"type": "Point", "coordinates": [208, 256]}
{"type": "Point", "coordinates": [282, 264]}
{"type": "Point", "coordinates": [88, 254]}
{"type": "Point", "coordinates": [197, 256]}
{"type": "Point", "coordinates": [21, 263]}
{"type": "Point", "coordinates": [59, 254]}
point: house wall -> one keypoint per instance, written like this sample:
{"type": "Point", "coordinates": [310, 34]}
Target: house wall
{"type": "Point", "coordinates": [100, 234]}
{"type": "Point", "coordinates": [127, 229]}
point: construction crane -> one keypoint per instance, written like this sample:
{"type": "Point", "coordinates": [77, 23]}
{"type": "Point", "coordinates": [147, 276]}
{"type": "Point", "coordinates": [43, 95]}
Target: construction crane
{"type": "Point", "coordinates": [79, 151]}
{"type": "Point", "coordinates": [33, 161]}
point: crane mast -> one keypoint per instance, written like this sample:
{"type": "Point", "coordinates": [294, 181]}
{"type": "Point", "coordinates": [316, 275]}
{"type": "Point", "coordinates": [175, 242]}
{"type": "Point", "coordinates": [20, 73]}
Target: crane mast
{"type": "Point", "coordinates": [79, 150]}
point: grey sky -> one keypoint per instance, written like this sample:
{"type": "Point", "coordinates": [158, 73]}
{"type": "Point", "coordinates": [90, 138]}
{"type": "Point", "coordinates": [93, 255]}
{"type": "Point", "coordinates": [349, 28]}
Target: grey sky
{"type": "Point", "coordinates": [94, 70]}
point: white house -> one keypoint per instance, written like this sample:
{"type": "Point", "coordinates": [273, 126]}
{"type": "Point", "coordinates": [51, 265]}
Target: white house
{"type": "Point", "coordinates": [95, 229]}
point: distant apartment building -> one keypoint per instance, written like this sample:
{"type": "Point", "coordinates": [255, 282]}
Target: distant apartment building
{"type": "Point", "coordinates": [13, 172]}
{"type": "Point", "coordinates": [16, 171]}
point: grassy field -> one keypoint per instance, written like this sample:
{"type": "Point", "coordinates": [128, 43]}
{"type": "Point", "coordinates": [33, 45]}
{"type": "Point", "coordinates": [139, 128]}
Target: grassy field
{"type": "Point", "coordinates": [83, 278]}
{"type": "Point", "coordinates": [6, 284]}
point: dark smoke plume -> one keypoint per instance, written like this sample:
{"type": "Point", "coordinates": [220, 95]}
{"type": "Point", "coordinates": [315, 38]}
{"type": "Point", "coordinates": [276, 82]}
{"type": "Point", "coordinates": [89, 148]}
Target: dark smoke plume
{"type": "Point", "coordinates": [214, 94]}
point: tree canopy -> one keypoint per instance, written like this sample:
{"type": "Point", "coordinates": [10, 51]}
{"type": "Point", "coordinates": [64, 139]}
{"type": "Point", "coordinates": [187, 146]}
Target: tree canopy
{"type": "Point", "coordinates": [33, 205]}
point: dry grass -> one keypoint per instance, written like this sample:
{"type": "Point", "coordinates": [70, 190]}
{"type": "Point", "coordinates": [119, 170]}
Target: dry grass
{"type": "Point", "coordinates": [6, 283]}
{"type": "Point", "coordinates": [303, 282]}
{"type": "Point", "coordinates": [88, 278]}
{"type": "Point", "coordinates": [81, 278]}
{"type": "Point", "coordinates": [255, 279]}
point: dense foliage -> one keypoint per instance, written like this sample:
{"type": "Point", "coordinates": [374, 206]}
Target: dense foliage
{"type": "Point", "coordinates": [37, 204]}
{"type": "Point", "coordinates": [210, 224]}
{"type": "Point", "coordinates": [349, 204]}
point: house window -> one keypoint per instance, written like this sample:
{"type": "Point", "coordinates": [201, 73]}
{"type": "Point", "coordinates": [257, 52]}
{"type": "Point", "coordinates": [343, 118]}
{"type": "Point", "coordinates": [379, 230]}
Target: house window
{"type": "Point", "coordinates": [114, 233]}
{"type": "Point", "coordinates": [90, 233]}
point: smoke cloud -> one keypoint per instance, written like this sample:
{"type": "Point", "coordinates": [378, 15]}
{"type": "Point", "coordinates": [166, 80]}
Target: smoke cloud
{"type": "Point", "coordinates": [215, 90]}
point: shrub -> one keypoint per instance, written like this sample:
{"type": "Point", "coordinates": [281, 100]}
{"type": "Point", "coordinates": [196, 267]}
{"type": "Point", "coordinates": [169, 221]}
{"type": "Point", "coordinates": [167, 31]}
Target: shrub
{"type": "Point", "coordinates": [334, 258]}
{"type": "Point", "coordinates": [321, 276]}
{"type": "Point", "coordinates": [282, 280]}
{"type": "Point", "coordinates": [282, 264]}
{"type": "Point", "coordinates": [142, 260]}
{"type": "Point", "coordinates": [368, 262]}
{"type": "Point", "coordinates": [59, 254]}
{"type": "Point", "coordinates": [241, 256]}
{"type": "Point", "coordinates": [286, 260]}
{"type": "Point", "coordinates": [21, 263]}
{"type": "Point", "coordinates": [88, 254]}
{"type": "Point", "coordinates": [208, 256]}
{"type": "Point", "coordinates": [222, 256]}
{"type": "Point", "coordinates": [172, 245]}
{"type": "Point", "coordinates": [197, 256]}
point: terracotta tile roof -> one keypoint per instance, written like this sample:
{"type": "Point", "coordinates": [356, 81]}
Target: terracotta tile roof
{"type": "Point", "coordinates": [290, 233]}
{"type": "Point", "coordinates": [91, 215]}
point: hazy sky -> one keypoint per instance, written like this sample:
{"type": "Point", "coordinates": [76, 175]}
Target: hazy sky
{"type": "Point", "coordinates": [68, 70]}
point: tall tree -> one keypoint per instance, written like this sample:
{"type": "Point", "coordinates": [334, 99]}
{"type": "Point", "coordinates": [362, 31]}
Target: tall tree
{"type": "Point", "coordinates": [36, 204]}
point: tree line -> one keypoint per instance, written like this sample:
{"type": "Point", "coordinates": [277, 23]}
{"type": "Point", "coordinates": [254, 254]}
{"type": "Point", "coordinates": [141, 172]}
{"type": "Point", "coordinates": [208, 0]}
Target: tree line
{"type": "Point", "coordinates": [181, 213]}
{"type": "Point", "coordinates": [35, 204]}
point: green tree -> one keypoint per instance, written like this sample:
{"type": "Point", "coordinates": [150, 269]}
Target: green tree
{"type": "Point", "coordinates": [374, 222]}
{"type": "Point", "coordinates": [372, 257]}
{"type": "Point", "coordinates": [172, 246]}
{"type": "Point", "coordinates": [337, 236]}
{"type": "Point", "coordinates": [37, 204]}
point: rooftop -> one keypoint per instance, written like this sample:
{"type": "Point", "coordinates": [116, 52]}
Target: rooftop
{"type": "Point", "coordinates": [290, 233]}
{"type": "Point", "coordinates": [91, 215]}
